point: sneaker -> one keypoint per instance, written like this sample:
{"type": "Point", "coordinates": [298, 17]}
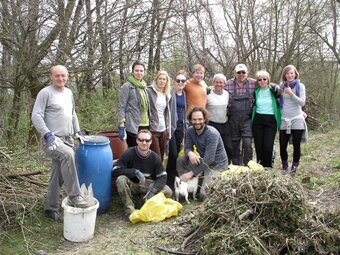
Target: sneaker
{"type": "Point", "coordinates": [53, 215]}
{"type": "Point", "coordinates": [77, 201]}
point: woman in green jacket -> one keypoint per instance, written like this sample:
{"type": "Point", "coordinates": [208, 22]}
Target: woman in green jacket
{"type": "Point", "coordinates": [266, 118]}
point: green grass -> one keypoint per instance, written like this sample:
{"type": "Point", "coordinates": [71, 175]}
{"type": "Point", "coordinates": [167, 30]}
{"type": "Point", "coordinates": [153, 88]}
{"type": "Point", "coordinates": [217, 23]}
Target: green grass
{"type": "Point", "coordinates": [114, 234]}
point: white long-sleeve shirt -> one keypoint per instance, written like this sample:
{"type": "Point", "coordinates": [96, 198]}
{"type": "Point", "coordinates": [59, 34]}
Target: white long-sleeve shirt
{"type": "Point", "coordinates": [217, 106]}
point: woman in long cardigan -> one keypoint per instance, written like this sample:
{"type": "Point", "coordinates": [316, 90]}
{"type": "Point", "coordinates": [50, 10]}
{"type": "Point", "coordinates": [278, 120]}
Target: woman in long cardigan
{"type": "Point", "coordinates": [162, 116]}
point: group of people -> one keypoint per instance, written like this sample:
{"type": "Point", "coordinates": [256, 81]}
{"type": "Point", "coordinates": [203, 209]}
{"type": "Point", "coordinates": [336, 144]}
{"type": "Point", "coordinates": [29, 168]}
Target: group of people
{"type": "Point", "coordinates": [209, 124]}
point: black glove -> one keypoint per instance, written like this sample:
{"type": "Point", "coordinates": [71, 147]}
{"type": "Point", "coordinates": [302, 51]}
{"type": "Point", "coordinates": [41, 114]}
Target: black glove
{"type": "Point", "coordinates": [208, 90]}
{"type": "Point", "coordinates": [50, 141]}
{"type": "Point", "coordinates": [150, 193]}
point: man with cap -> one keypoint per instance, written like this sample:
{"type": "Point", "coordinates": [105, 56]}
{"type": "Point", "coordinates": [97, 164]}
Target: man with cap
{"type": "Point", "coordinates": [241, 99]}
{"type": "Point", "coordinates": [196, 89]}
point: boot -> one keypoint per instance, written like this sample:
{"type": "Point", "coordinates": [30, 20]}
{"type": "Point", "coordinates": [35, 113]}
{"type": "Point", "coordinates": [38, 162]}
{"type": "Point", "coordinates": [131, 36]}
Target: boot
{"type": "Point", "coordinates": [284, 169]}
{"type": "Point", "coordinates": [294, 169]}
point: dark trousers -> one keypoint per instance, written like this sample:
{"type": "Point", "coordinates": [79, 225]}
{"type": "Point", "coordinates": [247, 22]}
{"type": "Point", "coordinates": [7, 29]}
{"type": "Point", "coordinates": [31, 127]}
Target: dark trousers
{"type": "Point", "coordinates": [296, 138]}
{"type": "Point", "coordinates": [225, 131]}
{"type": "Point", "coordinates": [131, 139]}
{"type": "Point", "coordinates": [174, 148]}
{"type": "Point", "coordinates": [264, 132]}
{"type": "Point", "coordinates": [241, 130]}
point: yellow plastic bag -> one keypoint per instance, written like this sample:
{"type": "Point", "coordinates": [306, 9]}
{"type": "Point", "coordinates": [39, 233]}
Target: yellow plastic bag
{"type": "Point", "coordinates": [235, 169]}
{"type": "Point", "coordinates": [255, 167]}
{"type": "Point", "coordinates": [181, 153]}
{"type": "Point", "coordinates": [156, 209]}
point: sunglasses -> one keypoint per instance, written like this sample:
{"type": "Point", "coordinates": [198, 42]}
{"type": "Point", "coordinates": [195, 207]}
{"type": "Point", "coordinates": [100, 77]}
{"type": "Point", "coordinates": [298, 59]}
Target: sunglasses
{"type": "Point", "coordinates": [264, 79]}
{"type": "Point", "coordinates": [144, 140]}
{"type": "Point", "coordinates": [241, 72]}
{"type": "Point", "coordinates": [180, 81]}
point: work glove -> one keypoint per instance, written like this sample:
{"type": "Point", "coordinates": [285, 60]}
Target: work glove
{"type": "Point", "coordinates": [140, 176]}
{"type": "Point", "coordinates": [122, 133]}
{"type": "Point", "coordinates": [51, 141]}
{"type": "Point", "coordinates": [80, 137]}
{"type": "Point", "coordinates": [150, 193]}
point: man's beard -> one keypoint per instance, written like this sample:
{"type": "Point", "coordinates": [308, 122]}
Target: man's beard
{"type": "Point", "coordinates": [199, 127]}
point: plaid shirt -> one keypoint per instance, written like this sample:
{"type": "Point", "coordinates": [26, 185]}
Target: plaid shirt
{"type": "Point", "coordinates": [229, 86]}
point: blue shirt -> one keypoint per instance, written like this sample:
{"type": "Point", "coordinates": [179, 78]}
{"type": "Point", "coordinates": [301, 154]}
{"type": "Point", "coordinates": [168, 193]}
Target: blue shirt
{"type": "Point", "coordinates": [180, 107]}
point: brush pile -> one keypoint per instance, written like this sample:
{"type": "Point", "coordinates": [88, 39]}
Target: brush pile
{"type": "Point", "coordinates": [261, 214]}
{"type": "Point", "coordinates": [21, 188]}
{"type": "Point", "coordinates": [19, 194]}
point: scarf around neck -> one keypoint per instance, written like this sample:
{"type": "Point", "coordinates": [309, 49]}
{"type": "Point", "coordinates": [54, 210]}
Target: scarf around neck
{"type": "Point", "coordinates": [295, 84]}
{"type": "Point", "coordinates": [139, 84]}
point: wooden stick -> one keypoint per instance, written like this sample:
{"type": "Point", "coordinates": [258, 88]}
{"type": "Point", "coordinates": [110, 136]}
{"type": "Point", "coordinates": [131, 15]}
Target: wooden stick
{"type": "Point", "coordinates": [33, 182]}
{"type": "Point", "coordinates": [14, 176]}
{"type": "Point", "coordinates": [176, 252]}
{"type": "Point", "coordinates": [5, 155]}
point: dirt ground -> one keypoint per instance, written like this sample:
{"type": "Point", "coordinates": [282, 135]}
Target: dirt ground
{"type": "Point", "coordinates": [114, 234]}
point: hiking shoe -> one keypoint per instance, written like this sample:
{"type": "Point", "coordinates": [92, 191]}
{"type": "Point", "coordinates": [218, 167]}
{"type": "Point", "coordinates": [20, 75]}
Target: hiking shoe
{"type": "Point", "coordinates": [54, 215]}
{"type": "Point", "coordinates": [77, 201]}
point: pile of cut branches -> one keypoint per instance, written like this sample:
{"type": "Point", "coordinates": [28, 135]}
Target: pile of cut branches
{"type": "Point", "coordinates": [23, 184]}
{"type": "Point", "coordinates": [19, 194]}
{"type": "Point", "coordinates": [260, 214]}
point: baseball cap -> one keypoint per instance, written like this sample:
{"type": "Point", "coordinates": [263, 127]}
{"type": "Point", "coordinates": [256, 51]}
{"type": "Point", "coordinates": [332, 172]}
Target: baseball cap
{"type": "Point", "coordinates": [241, 67]}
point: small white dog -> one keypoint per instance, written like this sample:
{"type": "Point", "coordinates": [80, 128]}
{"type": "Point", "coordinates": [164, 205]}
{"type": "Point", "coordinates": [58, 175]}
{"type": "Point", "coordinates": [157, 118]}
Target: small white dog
{"type": "Point", "coordinates": [184, 188]}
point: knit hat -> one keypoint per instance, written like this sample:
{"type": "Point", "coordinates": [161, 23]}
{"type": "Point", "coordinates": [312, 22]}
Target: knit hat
{"type": "Point", "coordinates": [199, 68]}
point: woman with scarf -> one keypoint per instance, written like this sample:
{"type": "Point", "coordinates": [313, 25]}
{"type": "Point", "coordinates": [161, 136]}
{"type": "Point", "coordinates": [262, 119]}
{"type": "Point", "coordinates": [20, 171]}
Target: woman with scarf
{"type": "Point", "coordinates": [162, 112]}
{"type": "Point", "coordinates": [293, 125]}
{"type": "Point", "coordinates": [133, 105]}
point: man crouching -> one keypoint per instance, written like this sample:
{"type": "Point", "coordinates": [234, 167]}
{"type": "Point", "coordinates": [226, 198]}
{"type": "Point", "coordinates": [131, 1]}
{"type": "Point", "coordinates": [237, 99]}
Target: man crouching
{"type": "Point", "coordinates": [140, 172]}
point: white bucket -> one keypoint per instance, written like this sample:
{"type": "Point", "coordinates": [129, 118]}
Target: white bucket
{"type": "Point", "coordinates": [79, 223]}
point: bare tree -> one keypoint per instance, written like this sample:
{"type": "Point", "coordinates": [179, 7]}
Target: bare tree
{"type": "Point", "coordinates": [28, 36]}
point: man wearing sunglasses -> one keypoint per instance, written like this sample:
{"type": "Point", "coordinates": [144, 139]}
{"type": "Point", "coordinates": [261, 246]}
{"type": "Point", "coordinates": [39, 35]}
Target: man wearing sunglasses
{"type": "Point", "coordinates": [241, 99]}
{"type": "Point", "coordinates": [140, 173]}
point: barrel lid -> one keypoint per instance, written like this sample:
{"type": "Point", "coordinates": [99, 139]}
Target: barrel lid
{"type": "Point", "coordinates": [96, 140]}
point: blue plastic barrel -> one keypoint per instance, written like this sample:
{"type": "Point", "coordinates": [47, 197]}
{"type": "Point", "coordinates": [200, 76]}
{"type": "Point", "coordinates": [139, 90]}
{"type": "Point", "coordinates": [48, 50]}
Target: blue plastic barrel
{"type": "Point", "coordinates": [94, 165]}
